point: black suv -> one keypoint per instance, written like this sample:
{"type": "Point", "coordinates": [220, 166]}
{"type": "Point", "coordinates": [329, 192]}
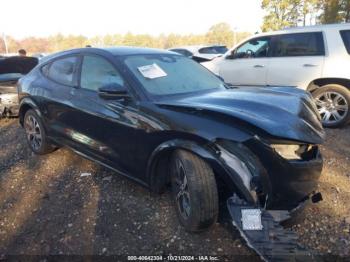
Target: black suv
{"type": "Point", "coordinates": [162, 119]}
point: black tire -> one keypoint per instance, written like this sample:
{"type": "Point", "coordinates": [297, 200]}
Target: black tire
{"type": "Point", "coordinates": [36, 134]}
{"type": "Point", "coordinates": [339, 112]}
{"type": "Point", "coordinates": [202, 194]}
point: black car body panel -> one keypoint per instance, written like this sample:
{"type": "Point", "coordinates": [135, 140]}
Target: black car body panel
{"type": "Point", "coordinates": [257, 107]}
{"type": "Point", "coordinates": [136, 134]}
{"type": "Point", "coordinates": [12, 69]}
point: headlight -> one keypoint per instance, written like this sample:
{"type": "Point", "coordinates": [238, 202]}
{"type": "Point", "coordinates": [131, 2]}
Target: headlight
{"type": "Point", "coordinates": [291, 151]}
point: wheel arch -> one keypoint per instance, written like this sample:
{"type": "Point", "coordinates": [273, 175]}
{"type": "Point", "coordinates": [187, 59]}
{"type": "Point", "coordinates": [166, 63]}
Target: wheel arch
{"type": "Point", "coordinates": [25, 105]}
{"type": "Point", "coordinates": [158, 163]}
{"type": "Point", "coordinates": [326, 81]}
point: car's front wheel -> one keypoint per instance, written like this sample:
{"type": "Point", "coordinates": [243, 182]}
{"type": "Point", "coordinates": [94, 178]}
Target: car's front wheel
{"type": "Point", "coordinates": [333, 104]}
{"type": "Point", "coordinates": [194, 191]}
{"type": "Point", "coordinates": [35, 133]}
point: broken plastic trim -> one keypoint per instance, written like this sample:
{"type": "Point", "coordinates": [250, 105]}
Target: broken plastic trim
{"type": "Point", "coordinates": [272, 242]}
{"type": "Point", "coordinates": [240, 168]}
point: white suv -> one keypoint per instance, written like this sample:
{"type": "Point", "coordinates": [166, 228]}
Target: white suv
{"type": "Point", "coordinates": [315, 58]}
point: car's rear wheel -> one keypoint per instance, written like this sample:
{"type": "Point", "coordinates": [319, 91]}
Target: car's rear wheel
{"type": "Point", "coordinates": [333, 104]}
{"type": "Point", "coordinates": [194, 191]}
{"type": "Point", "coordinates": [35, 133]}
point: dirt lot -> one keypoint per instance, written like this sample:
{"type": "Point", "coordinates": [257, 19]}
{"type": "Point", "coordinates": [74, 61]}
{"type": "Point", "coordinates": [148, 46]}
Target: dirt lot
{"type": "Point", "coordinates": [48, 207]}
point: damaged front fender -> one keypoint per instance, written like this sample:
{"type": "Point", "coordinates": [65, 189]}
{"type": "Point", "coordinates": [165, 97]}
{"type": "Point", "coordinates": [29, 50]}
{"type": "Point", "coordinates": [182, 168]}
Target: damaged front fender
{"type": "Point", "coordinates": [228, 167]}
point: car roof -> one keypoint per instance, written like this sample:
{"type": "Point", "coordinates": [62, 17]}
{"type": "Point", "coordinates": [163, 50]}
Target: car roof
{"type": "Point", "coordinates": [297, 29]}
{"type": "Point", "coordinates": [302, 29]}
{"type": "Point", "coordinates": [115, 51]}
{"type": "Point", "coordinates": [325, 26]}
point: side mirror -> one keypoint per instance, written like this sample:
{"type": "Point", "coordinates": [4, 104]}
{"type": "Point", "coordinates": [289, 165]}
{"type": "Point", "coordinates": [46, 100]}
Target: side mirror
{"type": "Point", "coordinates": [113, 91]}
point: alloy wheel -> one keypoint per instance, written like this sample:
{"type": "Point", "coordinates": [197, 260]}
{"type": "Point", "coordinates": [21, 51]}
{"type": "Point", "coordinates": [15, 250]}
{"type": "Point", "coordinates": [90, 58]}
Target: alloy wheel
{"type": "Point", "coordinates": [33, 132]}
{"type": "Point", "coordinates": [332, 106]}
{"type": "Point", "coordinates": [182, 195]}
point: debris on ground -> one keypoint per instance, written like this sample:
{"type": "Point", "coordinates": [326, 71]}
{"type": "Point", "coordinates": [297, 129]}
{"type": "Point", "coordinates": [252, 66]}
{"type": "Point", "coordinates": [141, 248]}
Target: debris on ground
{"type": "Point", "coordinates": [85, 174]}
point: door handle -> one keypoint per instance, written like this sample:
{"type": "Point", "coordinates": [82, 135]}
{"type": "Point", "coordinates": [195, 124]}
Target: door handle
{"type": "Point", "coordinates": [258, 66]}
{"type": "Point", "coordinates": [309, 65]}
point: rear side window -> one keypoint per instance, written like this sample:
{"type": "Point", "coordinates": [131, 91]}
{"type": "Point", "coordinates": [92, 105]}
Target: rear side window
{"type": "Point", "coordinates": [62, 71]}
{"type": "Point", "coordinates": [45, 70]}
{"type": "Point", "coordinates": [345, 35]}
{"type": "Point", "coordinates": [300, 44]}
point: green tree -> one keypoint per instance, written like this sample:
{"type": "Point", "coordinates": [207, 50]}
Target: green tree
{"type": "Point", "coordinates": [308, 9]}
{"type": "Point", "coordinates": [173, 40]}
{"type": "Point", "coordinates": [345, 10]}
{"type": "Point", "coordinates": [280, 14]}
{"type": "Point", "coordinates": [331, 11]}
{"type": "Point", "coordinates": [220, 34]}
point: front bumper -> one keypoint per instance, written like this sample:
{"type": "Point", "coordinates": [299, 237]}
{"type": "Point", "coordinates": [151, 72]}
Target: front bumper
{"type": "Point", "coordinates": [282, 187]}
{"type": "Point", "coordinates": [279, 183]}
{"type": "Point", "coordinates": [292, 182]}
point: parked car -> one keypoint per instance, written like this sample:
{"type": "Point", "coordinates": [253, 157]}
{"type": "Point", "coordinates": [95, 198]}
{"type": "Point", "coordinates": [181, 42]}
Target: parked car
{"type": "Point", "coordinates": [201, 53]}
{"type": "Point", "coordinates": [314, 58]}
{"type": "Point", "coordinates": [39, 55]}
{"type": "Point", "coordinates": [162, 119]}
{"type": "Point", "coordinates": [11, 69]}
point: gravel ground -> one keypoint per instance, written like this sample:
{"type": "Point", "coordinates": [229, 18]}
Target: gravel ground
{"type": "Point", "coordinates": [48, 206]}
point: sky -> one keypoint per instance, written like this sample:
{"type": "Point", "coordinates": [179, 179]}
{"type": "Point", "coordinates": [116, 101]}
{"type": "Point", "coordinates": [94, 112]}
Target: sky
{"type": "Point", "coordinates": [99, 17]}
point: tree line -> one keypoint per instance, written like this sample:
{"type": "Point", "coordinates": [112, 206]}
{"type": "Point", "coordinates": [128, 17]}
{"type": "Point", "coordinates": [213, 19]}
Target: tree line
{"type": "Point", "coordinates": [220, 33]}
{"type": "Point", "coordinates": [287, 13]}
{"type": "Point", "coordinates": [279, 14]}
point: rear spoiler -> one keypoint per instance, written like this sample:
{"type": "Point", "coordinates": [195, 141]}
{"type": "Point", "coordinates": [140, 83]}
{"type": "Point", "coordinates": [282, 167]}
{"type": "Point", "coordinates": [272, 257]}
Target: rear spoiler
{"type": "Point", "coordinates": [17, 64]}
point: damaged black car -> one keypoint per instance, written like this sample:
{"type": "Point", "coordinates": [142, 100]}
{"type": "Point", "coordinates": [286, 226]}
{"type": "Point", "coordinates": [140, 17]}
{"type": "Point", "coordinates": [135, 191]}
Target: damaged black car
{"type": "Point", "coordinates": [162, 119]}
{"type": "Point", "coordinates": [12, 69]}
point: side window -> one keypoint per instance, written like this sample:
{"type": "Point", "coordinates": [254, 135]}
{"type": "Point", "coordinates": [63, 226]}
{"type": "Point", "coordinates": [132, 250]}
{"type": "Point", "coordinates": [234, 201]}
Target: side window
{"type": "Point", "coordinates": [45, 70]}
{"type": "Point", "coordinates": [345, 35]}
{"type": "Point", "coordinates": [97, 72]}
{"type": "Point", "coordinates": [213, 50]}
{"type": "Point", "coordinates": [63, 71]}
{"type": "Point", "coordinates": [299, 44]}
{"type": "Point", "coordinates": [254, 48]}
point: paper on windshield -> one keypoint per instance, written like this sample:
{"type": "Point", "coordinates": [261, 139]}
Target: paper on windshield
{"type": "Point", "coordinates": [152, 71]}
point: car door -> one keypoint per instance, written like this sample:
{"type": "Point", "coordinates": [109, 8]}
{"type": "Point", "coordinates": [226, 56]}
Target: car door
{"type": "Point", "coordinates": [53, 95]}
{"type": "Point", "coordinates": [247, 64]}
{"type": "Point", "coordinates": [103, 128]}
{"type": "Point", "coordinates": [297, 59]}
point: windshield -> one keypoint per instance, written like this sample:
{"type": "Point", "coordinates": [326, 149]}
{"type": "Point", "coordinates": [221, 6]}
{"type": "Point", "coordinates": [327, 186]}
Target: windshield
{"type": "Point", "coordinates": [162, 75]}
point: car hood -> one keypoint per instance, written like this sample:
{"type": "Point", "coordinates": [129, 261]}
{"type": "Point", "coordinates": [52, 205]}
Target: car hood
{"type": "Point", "coordinates": [283, 112]}
{"type": "Point", "coordinates": [17, 64]}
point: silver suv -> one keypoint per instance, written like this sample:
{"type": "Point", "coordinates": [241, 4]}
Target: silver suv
{"type": "Point", "coordinates": [315, 58]}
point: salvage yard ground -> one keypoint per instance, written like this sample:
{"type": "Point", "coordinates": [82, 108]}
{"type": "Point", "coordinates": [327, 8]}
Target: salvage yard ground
{"type": "Point", "coordinates": [48, 207]}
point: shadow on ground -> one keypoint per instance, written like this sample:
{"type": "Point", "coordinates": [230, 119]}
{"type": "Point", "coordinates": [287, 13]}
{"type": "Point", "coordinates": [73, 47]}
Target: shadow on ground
{"type": "Point", "coordinates": [47, 207]}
